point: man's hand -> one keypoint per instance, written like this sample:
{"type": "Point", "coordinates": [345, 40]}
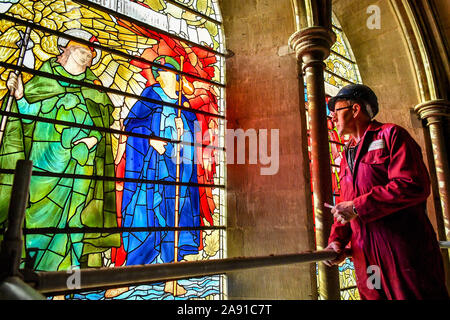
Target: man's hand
{"type": "Point", "coordinates": [15, 85]}
{"type": "Point", "coordinates": [158, 145]}
{"type": "Point", "coordinates": [343, 212]}
{"type": "Point", "coordinates": [336, 247]}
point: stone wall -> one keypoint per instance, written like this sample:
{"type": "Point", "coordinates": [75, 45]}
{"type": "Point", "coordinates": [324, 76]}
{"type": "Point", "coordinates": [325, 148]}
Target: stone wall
{"type": "Point", "coordinates": [266, 213]}
{"type": "Point", "coordinates": [443, 17]}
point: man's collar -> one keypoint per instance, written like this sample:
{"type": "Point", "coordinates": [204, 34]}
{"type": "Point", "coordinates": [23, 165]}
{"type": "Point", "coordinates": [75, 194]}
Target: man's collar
{"type": "Point", "coordinates": [373, 126]}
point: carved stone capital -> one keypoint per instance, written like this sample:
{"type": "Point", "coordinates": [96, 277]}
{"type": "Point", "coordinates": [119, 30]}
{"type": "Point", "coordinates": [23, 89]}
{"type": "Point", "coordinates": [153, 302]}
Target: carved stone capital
{"type": "Point", "coordinates": [433, 110]}
{"type": "Point", "coordinates": [312, 43]}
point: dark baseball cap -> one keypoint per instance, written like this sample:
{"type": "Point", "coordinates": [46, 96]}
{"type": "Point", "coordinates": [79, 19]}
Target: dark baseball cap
{"type": "Point", "coordinates": [358, 92]}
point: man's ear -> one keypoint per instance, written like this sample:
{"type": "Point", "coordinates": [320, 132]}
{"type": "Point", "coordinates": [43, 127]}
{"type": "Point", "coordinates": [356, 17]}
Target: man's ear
{"type": "Point", "coordinates": [357, 109]}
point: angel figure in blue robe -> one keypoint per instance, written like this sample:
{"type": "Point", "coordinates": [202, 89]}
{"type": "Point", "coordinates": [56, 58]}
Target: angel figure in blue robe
{"type": "Point", "coordinates": [153, 204]}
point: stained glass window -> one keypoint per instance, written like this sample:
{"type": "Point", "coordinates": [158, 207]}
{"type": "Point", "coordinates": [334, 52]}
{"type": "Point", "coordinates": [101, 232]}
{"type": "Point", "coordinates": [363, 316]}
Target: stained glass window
{"type": "Point", "coordinates": [120, 106]}
{"type": "Point", "coordinates": [341, 70]}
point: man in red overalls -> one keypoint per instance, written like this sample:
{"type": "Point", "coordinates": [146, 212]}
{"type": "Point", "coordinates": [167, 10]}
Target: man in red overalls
{"type": "Point", "coordinates": [384, 187]}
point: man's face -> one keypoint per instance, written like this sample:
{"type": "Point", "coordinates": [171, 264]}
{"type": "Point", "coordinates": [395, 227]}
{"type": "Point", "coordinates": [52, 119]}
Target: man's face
{"type": "Point", "coordinates": [343, 117]}
{"type": "Point", "coordinates": [82, 55]}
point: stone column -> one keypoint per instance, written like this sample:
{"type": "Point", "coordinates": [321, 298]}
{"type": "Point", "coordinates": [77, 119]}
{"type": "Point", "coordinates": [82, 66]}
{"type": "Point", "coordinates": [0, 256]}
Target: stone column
{"type": "Point", "coordinates": [312, 46]}
{"type": "Point", "coordinates": [435, 112]}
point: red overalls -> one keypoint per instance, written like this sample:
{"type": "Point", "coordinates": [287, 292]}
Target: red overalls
{"type": "Point", "coordinates": [389, 187]}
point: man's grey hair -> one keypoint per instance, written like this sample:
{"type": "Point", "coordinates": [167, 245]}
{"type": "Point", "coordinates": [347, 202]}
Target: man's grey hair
{"type": "Point", "coordinates": [365, 107]}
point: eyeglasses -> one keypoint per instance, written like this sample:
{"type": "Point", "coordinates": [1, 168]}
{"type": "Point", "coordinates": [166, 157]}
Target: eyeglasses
{"type": "Point", "coordinates": [333, 113]}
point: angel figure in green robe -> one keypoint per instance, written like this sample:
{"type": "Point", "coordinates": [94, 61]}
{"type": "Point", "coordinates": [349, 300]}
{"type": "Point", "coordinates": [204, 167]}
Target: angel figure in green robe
{"type": "Point", "coordinates": [60, 202]}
